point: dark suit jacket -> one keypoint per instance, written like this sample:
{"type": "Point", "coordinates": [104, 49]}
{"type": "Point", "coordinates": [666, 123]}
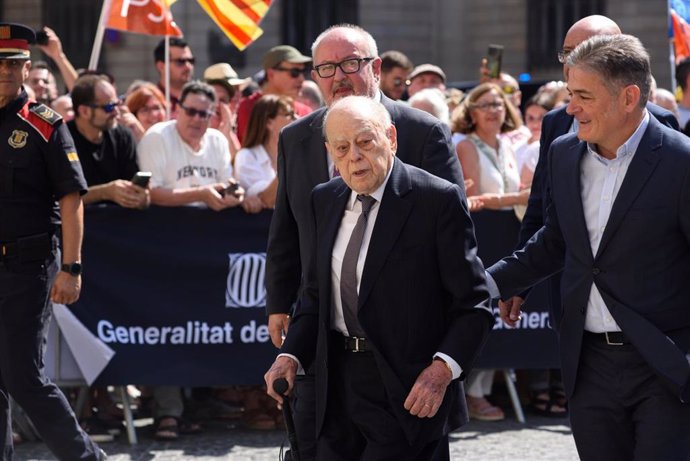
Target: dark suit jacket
{"type": "Point", "coordinates": [419, 288]}
{"type": "Point", "coordinates": [643, 262]}
{"type": "Point", "coordinates": [557, 123]}
{"type": "Point", "coordinates": [423, 141]}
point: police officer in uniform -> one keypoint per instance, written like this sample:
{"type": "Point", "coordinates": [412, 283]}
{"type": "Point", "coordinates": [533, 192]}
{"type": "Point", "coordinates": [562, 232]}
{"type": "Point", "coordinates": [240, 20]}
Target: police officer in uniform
{"type": "Point", "coordinates": [41, 184]}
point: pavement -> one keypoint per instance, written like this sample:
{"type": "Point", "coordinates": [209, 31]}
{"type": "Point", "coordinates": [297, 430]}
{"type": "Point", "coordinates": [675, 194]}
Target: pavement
{"type": "Point", "coordinates": [539, 439]}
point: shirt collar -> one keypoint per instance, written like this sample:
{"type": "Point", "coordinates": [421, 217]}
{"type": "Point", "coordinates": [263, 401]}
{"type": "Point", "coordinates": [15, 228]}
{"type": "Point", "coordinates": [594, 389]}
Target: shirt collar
{"type": "Point", "coordinates": [630, 146]}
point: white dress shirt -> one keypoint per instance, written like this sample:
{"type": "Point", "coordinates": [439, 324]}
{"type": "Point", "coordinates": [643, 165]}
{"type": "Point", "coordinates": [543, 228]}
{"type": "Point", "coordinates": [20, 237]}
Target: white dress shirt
{"type": "Point", "coordinates": [600, 181]}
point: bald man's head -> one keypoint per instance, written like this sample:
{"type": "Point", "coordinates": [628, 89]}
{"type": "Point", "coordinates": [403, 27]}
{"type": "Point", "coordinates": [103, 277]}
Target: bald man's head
{"type": "Point", "coordinates": [585, 28]}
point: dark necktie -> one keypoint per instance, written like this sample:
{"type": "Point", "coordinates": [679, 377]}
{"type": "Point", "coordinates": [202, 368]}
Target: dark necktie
{"type": "Point", "coordinates": [348, 273]}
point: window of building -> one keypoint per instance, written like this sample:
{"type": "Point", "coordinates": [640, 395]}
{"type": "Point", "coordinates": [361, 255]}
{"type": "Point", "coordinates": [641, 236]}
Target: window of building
{"type": "Point", "coordinates": [303, 20]}
{"type": "Point", "coordinates": [547, 23]}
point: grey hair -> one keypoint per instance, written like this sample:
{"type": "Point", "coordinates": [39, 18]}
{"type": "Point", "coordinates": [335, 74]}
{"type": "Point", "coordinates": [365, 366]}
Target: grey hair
{"type": "Point", "coordinates": [619, 60]}
{"type": "Point", "coordinates": [435, 98]}
{"type": "Point", "coordinates": [375, 111]}
{"type": "Point", "coordinates": [371, 43]}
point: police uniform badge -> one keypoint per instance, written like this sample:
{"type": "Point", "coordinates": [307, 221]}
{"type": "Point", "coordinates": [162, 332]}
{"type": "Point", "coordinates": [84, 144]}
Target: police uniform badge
{"type": "Point", "coordinates": [18, 139]}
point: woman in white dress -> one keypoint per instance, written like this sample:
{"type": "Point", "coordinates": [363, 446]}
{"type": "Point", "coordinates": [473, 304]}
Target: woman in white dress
{"type": "Point", "coordinates": [256, 163]}
{"type": "Point", "coordinates": [489, 164]}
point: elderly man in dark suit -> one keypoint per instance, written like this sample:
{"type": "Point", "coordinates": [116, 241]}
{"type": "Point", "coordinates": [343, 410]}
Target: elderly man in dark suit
{"type": "Point", "coordinates": [346, 63]}
{"type": "Point", "coordinates": [390, 314]}
{"type": "Point", "coordinates": [619, 227]}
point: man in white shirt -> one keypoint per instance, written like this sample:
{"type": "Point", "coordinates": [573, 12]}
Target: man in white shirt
{"type": "Point", "coordinates": [190, 162]}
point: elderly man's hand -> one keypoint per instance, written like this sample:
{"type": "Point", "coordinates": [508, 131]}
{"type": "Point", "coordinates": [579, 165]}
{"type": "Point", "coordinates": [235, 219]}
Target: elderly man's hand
{"type": "Point", "coordinates": [283, 367]}
{"type": "Point", "coordinates": [427, 393]}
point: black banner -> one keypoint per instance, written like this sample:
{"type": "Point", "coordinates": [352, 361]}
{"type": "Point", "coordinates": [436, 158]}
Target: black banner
{"type": "Point", "coordinates": [179, 294]}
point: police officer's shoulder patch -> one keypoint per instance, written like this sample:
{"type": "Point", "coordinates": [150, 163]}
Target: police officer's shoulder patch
{"type": "Point", "coordinates": [45, 113]}
{"type": "Point", "coordinates": [41, 118]}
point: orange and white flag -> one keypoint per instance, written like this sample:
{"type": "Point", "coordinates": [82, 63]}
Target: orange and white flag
{"type": "Point", "coordinates": [238, 19]}
{"type": "Point", "coordinates": [150, 17]}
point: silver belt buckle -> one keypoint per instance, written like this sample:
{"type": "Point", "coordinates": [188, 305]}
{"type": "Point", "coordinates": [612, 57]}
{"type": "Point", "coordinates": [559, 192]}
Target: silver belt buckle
{"type": "Point", "coordinates": [357, 349]}
{"type": "Point", "coordinates": [611, 343]}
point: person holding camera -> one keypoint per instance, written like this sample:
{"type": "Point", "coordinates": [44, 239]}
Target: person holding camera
{"type": "Point", "coordinates": [190, 162]}
{"type": "Point", "coordinates": [107, 150]}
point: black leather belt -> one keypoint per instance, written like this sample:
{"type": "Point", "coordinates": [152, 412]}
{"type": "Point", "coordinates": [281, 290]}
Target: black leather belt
{"type": "Point", "coordinates": [611, 338]}
{"type": "Point", "coordinates": [32, 247]}
{"type": "Point", "coordinates": [350, 343]}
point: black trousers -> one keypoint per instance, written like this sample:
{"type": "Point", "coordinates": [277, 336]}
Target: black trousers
{"type": "Point", "coordinates": [359, 423]}
{"type": "Point", "coordinates": [304, 415]}
{"type": "Point", "coordinates": [621, 410]}
{"type": "Point", "coordinates": [24, 314]}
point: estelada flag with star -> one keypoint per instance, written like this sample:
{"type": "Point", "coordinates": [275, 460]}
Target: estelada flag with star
{"type": "Point", "coordinates": [238, 19]}
{"type": "Point", "coordinates": [150, 17]}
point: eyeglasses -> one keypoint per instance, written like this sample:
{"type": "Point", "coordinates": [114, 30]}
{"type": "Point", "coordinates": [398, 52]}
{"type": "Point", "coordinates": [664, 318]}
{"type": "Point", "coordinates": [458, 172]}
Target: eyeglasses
{"type": "Point", "coordinates": [348, 66]}
{"type": "Point", "coordinates": [182, 61]}
{"type": "Point", "coordinates": [107, 108]}
{"type": "Point", "coordinates": [397, 81]}
{"type": "Point", "coordinates": [563, 55]}
{"type": "Point", "coordinates": [191, 112]}
{"type": "Point", "coordinates": [489, 106]}
{"type": "Point", "coordinates": [294, 72]}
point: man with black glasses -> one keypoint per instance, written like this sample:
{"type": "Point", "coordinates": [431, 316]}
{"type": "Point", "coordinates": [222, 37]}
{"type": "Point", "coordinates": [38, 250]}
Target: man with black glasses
{"type": "Point", "coordinates": [181, 68]}
{"type": "Point", "coordinates": [346, 62]}
{"type": "Point", "coordinates": [284, 71]}
{"type": "Point", "coordinates": [189, 162]}
{"type": "Point", "coordinates": [108, 151]}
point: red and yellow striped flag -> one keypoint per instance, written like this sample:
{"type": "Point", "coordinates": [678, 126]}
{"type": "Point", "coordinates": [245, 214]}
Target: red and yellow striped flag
{"type": "Point", "coordinates": [239, 19]}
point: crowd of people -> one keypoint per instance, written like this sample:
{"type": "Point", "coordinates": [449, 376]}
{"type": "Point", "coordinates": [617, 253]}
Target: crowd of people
{"type": "Point", "coordinates": [222, 141]}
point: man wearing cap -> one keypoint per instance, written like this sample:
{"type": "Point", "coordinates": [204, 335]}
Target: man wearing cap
{"type": "Point", "coordinates": [426, 76]}
{"type": "Point", "coordinates": [38, 165]}
{"type": "Point", "coordinates": [228, 87]}
{"type": "Point", "coordinates": [285, 68]}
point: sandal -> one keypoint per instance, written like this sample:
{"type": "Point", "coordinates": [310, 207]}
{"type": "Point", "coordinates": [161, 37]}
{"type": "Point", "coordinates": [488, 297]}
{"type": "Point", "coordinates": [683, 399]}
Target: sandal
{"type": "Point", "coordinates": [545, 403]}
{"type": "Point", "coordinates": [167, 429]}
{"type": "Point", "coordinates": [482, 410]}
{"type": "Point", "coordinates": [558, 394]}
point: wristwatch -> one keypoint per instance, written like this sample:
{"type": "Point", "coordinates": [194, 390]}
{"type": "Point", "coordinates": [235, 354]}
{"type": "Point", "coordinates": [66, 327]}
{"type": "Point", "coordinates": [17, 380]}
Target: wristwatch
{"type": "Point", "coordinates": [74, 269]}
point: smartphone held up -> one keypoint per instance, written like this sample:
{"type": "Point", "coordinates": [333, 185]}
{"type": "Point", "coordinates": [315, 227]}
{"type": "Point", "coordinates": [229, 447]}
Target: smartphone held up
{"type": "Point", "coordinates": [494, 60]}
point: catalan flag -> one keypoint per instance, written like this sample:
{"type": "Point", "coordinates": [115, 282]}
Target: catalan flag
{"type": "Point", "coordinates": [150, 17]}
{"type": "Point", "coordinates": [239, 19]}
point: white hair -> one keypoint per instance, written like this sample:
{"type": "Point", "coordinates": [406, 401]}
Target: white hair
{"type": "Point", "coordinates": [433, 101]}
{"type": "Point", "coordinates": [371, 43]}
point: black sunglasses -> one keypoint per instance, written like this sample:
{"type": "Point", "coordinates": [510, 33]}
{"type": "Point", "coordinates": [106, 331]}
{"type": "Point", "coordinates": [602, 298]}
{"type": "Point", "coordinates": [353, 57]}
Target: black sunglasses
{"type": "Point", "coordinates": [191, 112]}
{"type": "Point", "coordinates": [294, 71]}
{"type": "Point", "coordinates": [182, 61]}
{"type": "Point", "coordinates": [107, 108]}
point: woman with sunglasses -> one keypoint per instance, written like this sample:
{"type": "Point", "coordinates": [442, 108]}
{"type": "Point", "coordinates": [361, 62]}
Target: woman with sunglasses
{"type": "Point", "coordinates": [488, 162]}
{"type": "Point", "coordinates": [256, 163]}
